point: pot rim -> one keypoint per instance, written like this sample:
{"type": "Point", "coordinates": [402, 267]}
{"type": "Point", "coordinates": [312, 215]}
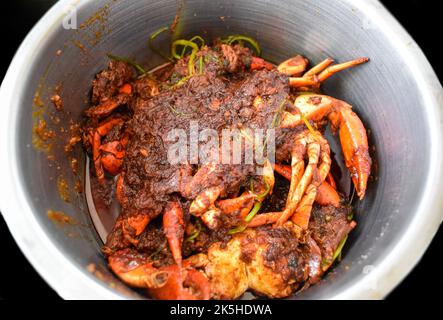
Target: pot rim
{"type": "Point", "coordinates": [72, 283]}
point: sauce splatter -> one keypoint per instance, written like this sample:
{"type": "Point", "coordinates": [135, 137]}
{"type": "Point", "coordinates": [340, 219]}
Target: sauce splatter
{"type": "Point", "coordinates": [63, 189]}
{"type": "Point", "coordinates": [60, 218]}
{"type": "Point", "coordinates": [80, 45]}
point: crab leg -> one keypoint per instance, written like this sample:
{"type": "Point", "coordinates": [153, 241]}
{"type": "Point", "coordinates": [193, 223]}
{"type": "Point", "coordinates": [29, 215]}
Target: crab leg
{"type": "Point", "coordinates": [284, 170]}
{"type": "Point", "coordinates": [237, 206]}
{"type": "Point", "coordinates": [322, 71]}
{"type": "Point", "coordinates": [326, 193]}
{"type": "Point", "coordinates": [211, 218]}
{"type": "Point", "coordinates": [264, 218]}
{"type": "Point", "coordinates": [330, 71]}
{"type": "Point", "coordinates": [263, 189]}
{"type": "Point", "coordinates": [325, 164]}
{"type": "Point", "coordinates": [319, 67]}
{"type": "Point", "coordinates": [298, 187]}
{"type": "Point", "coordinates": [96, 157]}
{"type": "Point", "coordinates": [303, 213]}
{"type": "Point", "coordinates": [119, 192]}
{"type": "Point", "coordinates": [103, 109]}
{"type": "Point", "coordinates": [297, 82]}
{"type": "Point", "coordinates": [297, 169]}
{"type": "Point", "coordinates": [204, 200]}
{"type": "Point", "coordinates": [173, 225]}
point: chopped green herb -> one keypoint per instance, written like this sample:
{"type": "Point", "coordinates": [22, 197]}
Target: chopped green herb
{"type": "Point", "coordinates": [246, 134]}
{"type": "Point", "coordinates": [202, 43]}
{"type": "Point", "coordinates": [156, 252]}
{"type": "Point", "coordinates": [195, 234]}
{"type": "Point", "coordinates": [325, 264]}
{"type": "Point", "coordinates": [337, 253]}
{"type": "Point", "coordinates": [176, 112]}
{"type": "Point", "coordinates": [251, 183]}
{"type": "Point", "coordinates": [308, 125]}
{"type": "Point", "coordinates": [253, 212]}
{"type": "Point", "coordinates": [181, 82]}
{"type": "Point", "coordinates": [200, 65]}
{"type": "Point", "coordinates": [152, 37]}
{"type": "Point", "coordinates": [138, 67]}
{"type": "Point", "coordinates": [277, 117]}
{"type": "Point", "coordinates": [350, 216]}
{"type": "Point", "coordinates": [238, 229]}
{"type": "Point", "coordinates": [300, 93]}
{"type": "Point", "coordinates": [185, 43]}
{"type": "Point", "coordinates": [265, 193]}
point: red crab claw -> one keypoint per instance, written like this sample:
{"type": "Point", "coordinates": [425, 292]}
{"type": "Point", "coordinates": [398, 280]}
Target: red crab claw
{"type": "Point", "coordinates": [352, 133]}
{"type": "Point", "coordinates": [182, 284]}
{"type": "Point", "coordinates": [136, 270]}
{"type": "Point", "coordinates": [165, 283]}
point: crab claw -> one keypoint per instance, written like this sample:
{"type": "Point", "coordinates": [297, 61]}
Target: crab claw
{"type": "Point", "coordinates": [173, 225]}
{"type": "Point", "coordinates": [136, 270]}
{"type": "Point", "coordinates": [187, 284]}
{"type": "Point", "coordinates": [166, 283]}
{"type": "Point", "coordinates": [204, 200]}
{"type": "Point", "coordinates": [352, 133]}
{"type": "Point", "coordinates": [354, 144]}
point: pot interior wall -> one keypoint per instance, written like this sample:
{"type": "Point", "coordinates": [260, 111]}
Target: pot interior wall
{"type": "Point", "coordinates": [316, 29]}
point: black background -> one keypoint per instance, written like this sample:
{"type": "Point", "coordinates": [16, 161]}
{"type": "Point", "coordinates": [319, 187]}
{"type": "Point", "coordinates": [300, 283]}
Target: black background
{"type": "Point", "coordinates": [17, 277]}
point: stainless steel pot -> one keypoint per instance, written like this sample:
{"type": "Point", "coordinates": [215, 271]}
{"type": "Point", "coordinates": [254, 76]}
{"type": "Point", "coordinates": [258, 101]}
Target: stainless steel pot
{"type": "Point", "coordinates": [397, 95]}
